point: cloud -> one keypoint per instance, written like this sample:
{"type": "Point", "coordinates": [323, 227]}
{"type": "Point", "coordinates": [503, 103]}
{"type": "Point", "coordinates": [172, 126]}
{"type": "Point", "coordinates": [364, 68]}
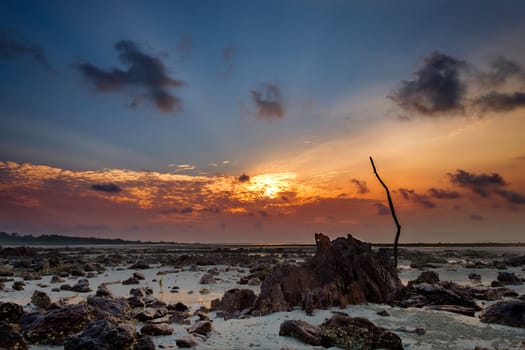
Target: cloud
{"type": "Point", "coordinates": [361, 186]}
{"type": "Point", "coordinates": [268, 101]}
{"type": "Point", "coordinates": [421, 199]}
{"type": "Point", "coordinates": [144, 72]}
{"type": "Point", "coordinates": [486, 185]}
{"type": "Point", "coordinates": [481, 184]}
{"type": "Point", "coordinates": [443, 194]}
{"type": "Point", "coordinates": [501, 101]}
{"type": "Point", "coordinates": [381, 209]}
{"type": "Point", "coordinates": [501, 69]}
{"type": "Point", "coordinates": [106, 187]}
{"type": "Point", "coordinates": [436, 88]}
{"type": "Point", "coordinates": [12, 48]}
{"type": "Point", "coordinates": [186, 210]}
{"type": "Point", "coordinates": [244, 178]}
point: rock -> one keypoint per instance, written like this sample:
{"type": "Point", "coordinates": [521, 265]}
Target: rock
{"type": "Point", "coordinates": [442, 293]}
{"type": "Point", "coordinates": [136, 302]}
{"type": "Point", "coordinates": [137, 292]}
{"type": "Point", "coordinates": [204, 291]}
{"type": "Point", "coordinates": [104, 334]}
{"type": "Point", "coordinates": [144, 342]}
{"type": "Point", "coordinates": [179, 307]}
{"type": "Point", "coordinates": [10, 338]}
{"type": "Point", "coordinates": [139, 275]}
{"type": "Point", "coordinates": [10, 312]}
{"type": "Point", "coordinates": [18, 285]}
{"type": "Point", "coordinates": [77, 273]}
{"type": "Point", "coordinates": [40, 299]}
{"type": "Point", "coordinates": [254, 281]}
{"type": "Point", "coordinates": [430, 277]}
{"type": "Point", "coordinates": [474, 276]}
{"type": "Point", "coordinates": [344, 271]}
{"type": "Point", "coordinates": [187, 341]}
{"type": "Point", "coordinates": [496, 284]}
{"type": "Point", "coordinates": [303, 331]}
{"type": "Point", "coordinates": [201, 327]}
{"type": "Point", "coordinates": [156, 329]}
{"type": "Point", "coordinates": [57, 279]}
{"type": "Point", "coordinates": [509, 278]}
{"type": "Point", "coordinates": [131, 280]}
{"type": "Point", "coordinates": [82, 286]}
{"type": "Point", "coordinates": [139, 266]}
{"type": "Point", "coordinates": [54, 326]}
{"type": "Point", "coordinates": [103, 291]}
{"type": "Point", "coordinates": [155, 303]}
{"type": "Point", "coordinates": [467, 311]}
{"type": "Point", "coordinates": [237, 300]}
{"type": "Point", "coordinates": [18, 252]}
{"type": "Point", "coordinates": [118, 307]}
{"type": "Point", "coordinates": [207, 279]}
{"type": "Point", "coordinates": [507, 312]}
{"type": "Point", "coordinates": [357, 333]}
{"type": "Point", "coordinates": [383, 313]}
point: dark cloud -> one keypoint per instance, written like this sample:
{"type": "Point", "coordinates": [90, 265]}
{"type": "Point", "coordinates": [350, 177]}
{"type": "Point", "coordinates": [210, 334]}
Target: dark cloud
{"type": "Point", "coordinates": [421, 199]}
{"type": "Point", "coordinates": [482, 184]}
{"type": "Point", "coordinates": [476, 217]}
{"type": "Point", "coordinates": [381, 209]}
{"type": "Point", "coordinates": [361, 186]}
{"type": "Point", "coordinates": [501, 69]}
{"type": "Point", "coordinates": [486, 185]}
{"type": "Point", "coordinates": [144, 72]}
{"type": "Point", "coordinates": [263, 213]}
{"type": "Point", "coordinates": [186, 210]}
{"type": "Point", "coordinates": [106, 187]}
{"type": "Point", "coordinates": [268, 101]}
{"type": "Point", "coordinates": [436, 88]}
{"type": "Point", "coordinates": [443, 194]}
{"type": "Point", "coordinates": [12, 48]}
{"type": "Point", "coordinates": [500, 101]}
{"type": "Point", "coordinates": [244, 178]}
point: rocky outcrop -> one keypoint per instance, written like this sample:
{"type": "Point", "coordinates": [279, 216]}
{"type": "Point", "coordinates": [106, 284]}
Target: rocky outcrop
{"type": "Point", "coordinates": [429, 277]}
{"type": "Point", "coordinates": [156, 329]}
{"type": "Point", "coordinates": [508, 313]}
{"type": "Point", "coordinates": [10, 312]}
{"type": "Point", "coordinates": [301, 330]}
{"type": "Point", "coordinates": [344, 271]}
{"type": "Point", "coordinates": [509, 278]}
{"type": "Point", "coordinates": [10, 338]}
{"type": "Point", "coordinates": [104, 334]}
{"type": "Point", "coordinates": [201, 327]}
{"type": "Point", "coordinates": [355, 333]}
{"type": "Point", "coordinates": [235, 301]}
{"type": "Point", "coordinates": [118, 307]}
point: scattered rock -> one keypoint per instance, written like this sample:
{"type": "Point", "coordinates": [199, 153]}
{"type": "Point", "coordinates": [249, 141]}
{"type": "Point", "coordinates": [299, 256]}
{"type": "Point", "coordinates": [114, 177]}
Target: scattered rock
{"type": "Point", "coordinates": [139, 275]}
{"type": "Point", "coordinates": [383, 313]}
{"type": "Point", "coordinates": [144, 342]}
{"type": "Point", "coordinates": [430, 277]}
{"type": "Point", "coordinates": [187, 341]}
{"type": "Point", "coordinates": [18, 285]}
{"type": "Point", "coordinates": [118, 307]}
{"type": "Point", "coordinates": [57, 279]}
{"type": "Point", "coordinates": [507, 312]}
{"type": "Point", "coordinates": [137, 292]}
{"type": "Point", "coordinates": [156, 329]}
{"type": "Point", "coordinates": [474, 276]}
{"type": "Point", "coordinates": [40, 299]}
{"type": "Point", "coordinates": [136, 302]}
{"type": "Point", "coordinates": [10, 312]}
{"type": "Point", "coordinates": [201, 327]}
{"type": "Point", "coordinates": [236, 300]}
{"type": "Point", "coordinates": [207, 279]}
{"type": "Point", "coordinates": [82, 286]}
{"type": "Point", "coordinates": [131, 280]}
{"type": "Point", "coordinates": [496, 284]}
{"type": "Point", "coordinates": [139, 266]}
{"type": "Point", "coordinates": [254, 281]}
{"type": "Point", "coordinates": [357, 333]}
{"type": "Point", "coordinates": [10, 338]}
{"type": "Point", "coordinates": [303, 331]}
{"type": "Point", "coordinates": [103, 291]}
{"type": "Point", "coordinates": [467, 311]}
{"type": "Point", "coordinates": [104, 334]}
{"type": "Point", "coordinates": [509, 278]}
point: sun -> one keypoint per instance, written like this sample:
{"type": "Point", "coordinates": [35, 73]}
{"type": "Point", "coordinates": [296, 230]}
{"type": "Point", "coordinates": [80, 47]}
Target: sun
{"type": "Point", "coordinates": [271, 185]}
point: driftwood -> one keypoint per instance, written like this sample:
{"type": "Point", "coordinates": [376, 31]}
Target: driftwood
{"type": "Point", "coordinates": [392, 210]}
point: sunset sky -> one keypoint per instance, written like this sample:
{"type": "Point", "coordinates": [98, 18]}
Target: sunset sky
{"type": "Point", "coordinates": [253, 121]}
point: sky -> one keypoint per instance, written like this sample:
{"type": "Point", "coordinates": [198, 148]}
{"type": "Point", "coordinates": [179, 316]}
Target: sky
{"type": "Point", "coordinates": [253, 121]}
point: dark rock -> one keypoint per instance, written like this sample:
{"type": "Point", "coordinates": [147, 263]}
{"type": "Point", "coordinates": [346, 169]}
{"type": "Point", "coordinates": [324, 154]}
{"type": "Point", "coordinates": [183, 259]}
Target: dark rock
{"type": "Point", "coordinates": [56, 279]}
{"type": "Point", "coordinates": [303, 331]}
{"type": "Point", "coordinates": [10, 312]}
{"type": "Point", "coordinates": [509, 278]}
{"type": "Point", "coordinates": [344, 271]}
{"type": "Point", "coordinates": [155, 303]}
{"type": "Point", "coordinates": [144, 342]}
{"type": "Point", "coordinates": [137, 292]}
{"type": "Point", "coordinates": [474, 276]}
{"type": "Point", "coordinates": [18, 285]}
{"type": "Point", "coordinates": [103, 291]}
{"type": "Point", "coordinates": [207, 279]}
{"type": "Point", "coordinates": [468, 311]}
{"type": "Point", "coordinates": [148, 290]}
{"type": "Point", "coordinates": [136, 302]}
{"type": "Point", "coordinates": [131, 280]}
{"type": "Point", "coordinates": [18, 252]}
{"type": "Point", "coordinates": [54, 326]}
{"type": "Point", "coordinates": [139, 275]}
{"type": "Point", "coordinates": [104, 334]}
{"type": "Point", "coordinates": [82, 286]}
{"type": "Point", "coordinates": [442, 293]}
{"type": "Point", "coordinates": [357, 333]}
{"type": "Point", "coordinates": [496, 284]}
{"type": "Point", "coordinates": [40, 299]}
{"type": "Point", "coordinates": [383, 313]}
{"type": "Point", "coordinates": [236, 300]}
{"type": "Point", "coordinates": [65, 287]}
{"type": "Point", "coordinates": [156, 329]}
{"type": "Point", "coordinates": [10, 338]}
{"type": "Point", "coordinates": [507, 312]}
{"type": "Point", "coordinates": [179, 307]}
{"type": "Point", "coordinates": [187, 341]}
{"type": "Point", "coordinates": [118, 307]}
{"type": "Point", "coordinates": [201, 327]}
{"type": "Point", "coordinates": [254, 282]}
{"type": "Point", "coordinates": [78, 273]}
{"type": "Point", "coordinates": [139, 266]}
{"type": "Point", "coordinates": [430, 277]}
